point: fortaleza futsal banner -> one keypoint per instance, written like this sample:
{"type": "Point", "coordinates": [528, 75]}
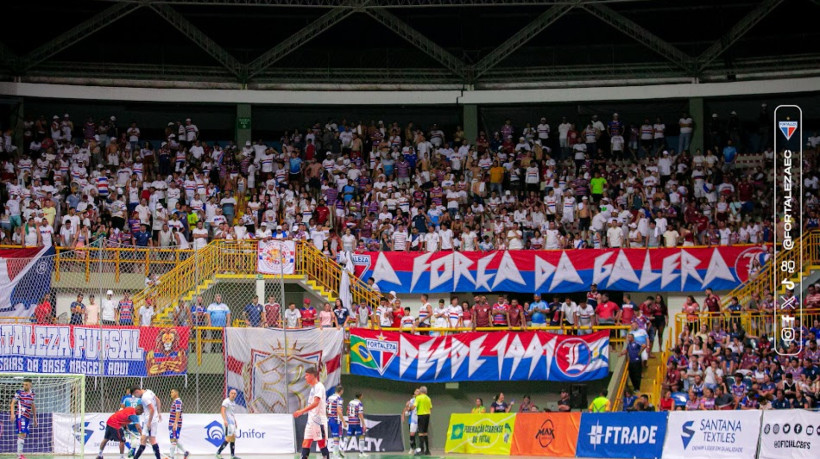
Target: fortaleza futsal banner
{"type": "Point", "coordinates": [501, 356]}
{"type": "Point", "coordinates": [94, 351]}
{"type": "Point", "coordinates": [561, 271]}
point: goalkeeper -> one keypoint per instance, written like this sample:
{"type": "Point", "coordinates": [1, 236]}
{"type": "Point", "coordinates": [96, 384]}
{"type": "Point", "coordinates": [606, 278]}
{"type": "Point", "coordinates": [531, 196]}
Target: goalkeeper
{"type": "Point", "coordinates": [132, 430]}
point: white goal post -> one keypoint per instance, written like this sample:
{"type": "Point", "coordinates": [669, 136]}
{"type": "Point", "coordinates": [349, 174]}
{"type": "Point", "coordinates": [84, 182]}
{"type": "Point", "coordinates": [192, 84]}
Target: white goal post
{"type": "Point", "coordinates": [57, 424]}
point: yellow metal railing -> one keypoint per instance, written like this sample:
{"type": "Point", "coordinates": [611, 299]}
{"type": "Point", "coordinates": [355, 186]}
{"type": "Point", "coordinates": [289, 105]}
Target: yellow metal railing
{"type": "Point", "coordinates": [809, 244]}
{"type": "Point", "coordinates": [618, 402]}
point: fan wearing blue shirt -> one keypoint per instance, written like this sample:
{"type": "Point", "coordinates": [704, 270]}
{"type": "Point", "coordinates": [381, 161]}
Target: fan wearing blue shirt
{"type": "Point", "coordinates": [729, 154]}
{"type": "Point", "coordinates": [253, 312]}
{"type": "Point", "coordinates": [219, 315]}
{"type": "Point", "coordinates": [537, 311]}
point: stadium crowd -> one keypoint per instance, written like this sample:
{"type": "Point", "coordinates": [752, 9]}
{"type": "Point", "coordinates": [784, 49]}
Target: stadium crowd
{"type": "Point", "coordinates": [718, 364]}
{"type": "Point", "coordinates": [375, 186]}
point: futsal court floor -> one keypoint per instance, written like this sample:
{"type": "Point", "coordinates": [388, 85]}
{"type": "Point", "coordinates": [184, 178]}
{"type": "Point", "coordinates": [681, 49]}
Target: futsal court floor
{"type": "Point", "coordinates": [435, 455]}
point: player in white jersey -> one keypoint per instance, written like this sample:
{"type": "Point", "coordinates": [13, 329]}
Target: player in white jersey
{"type": "Point", "coordinates": [409, 414]}
{"type": "Point", "coordinates": [150, 419]}
{"type": "Point", "coordinates": [336, 421]}
{"type": "Point", "coordinates": [229, 421]}
{"type": "Point", "coordinates": [316, 426]}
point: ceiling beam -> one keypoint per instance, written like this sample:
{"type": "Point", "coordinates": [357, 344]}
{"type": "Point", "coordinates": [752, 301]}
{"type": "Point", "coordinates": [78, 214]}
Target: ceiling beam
{"type": "Point", "coordinates": [295, 41]}
{"type": "Point", "coordinates": [417, 39]}
{"type": "Point", "coordinates": [640, 34]}
{"type": "Point", "coordinates": [521, 37]}
{"type": "Point", "coordinates": [79, 32]}
{"type": "Point", "coordinates": [735, 33]}
{"type": "Point", "coordinates": [372, 5]}
{"type": "Point", "coordinates": [201, 39]}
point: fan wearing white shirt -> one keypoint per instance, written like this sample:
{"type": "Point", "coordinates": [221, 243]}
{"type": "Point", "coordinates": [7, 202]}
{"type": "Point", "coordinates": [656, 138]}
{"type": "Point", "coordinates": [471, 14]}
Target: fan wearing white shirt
{"type": "Point", "coordinates": [431, 240]}
{"type": "Point", "coordinates": [446, 237]}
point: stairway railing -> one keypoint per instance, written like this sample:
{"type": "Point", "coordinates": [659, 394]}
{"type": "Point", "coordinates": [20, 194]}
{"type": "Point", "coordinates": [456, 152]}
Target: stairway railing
{"type": "Point", "coordinates": [809, 244]}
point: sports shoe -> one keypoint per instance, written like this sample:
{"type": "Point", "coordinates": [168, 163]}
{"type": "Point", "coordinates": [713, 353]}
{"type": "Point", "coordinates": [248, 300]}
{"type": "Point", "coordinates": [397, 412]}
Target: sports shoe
{"type": "Point", "coordinates": [411, 451]}
{"type": "Point", "coordinates": [218, 456]}
{"type": "Point", "coordinates": [235, 457]}
{"type": "Point", "coordinates": [131, 452]}
{"type": "Point", "coordinates": [20, 456]}
{"type": "Point", "coordinates": [186, 454]}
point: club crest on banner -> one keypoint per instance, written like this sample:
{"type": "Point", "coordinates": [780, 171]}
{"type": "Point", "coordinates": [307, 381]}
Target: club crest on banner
{"type": "Point", "coordinates": [788, 128]}
{"type": "Point", "coordinates": [573, 357]}
{"type": "Point", "coordinates": [376, 354]}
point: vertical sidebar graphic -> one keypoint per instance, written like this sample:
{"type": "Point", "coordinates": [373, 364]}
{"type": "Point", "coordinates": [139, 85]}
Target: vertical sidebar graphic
{"type": "Point", "coordinates": [787, 207]}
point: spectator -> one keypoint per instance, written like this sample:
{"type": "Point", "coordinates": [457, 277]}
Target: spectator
{"type": "Point", "coordinates": [273, 313]}
{"type": "Point", "coordinates": [293, 317]}
{"type": "Point", "coordinates": [110, 311]}
{"type": "Point", "coordinates": [499, 405]}
{"type": "Point", "coordinates": [343, 314]}
{"type": "Point", "coordinates": [78, 311]}
{"type": "Point", "coordinates": [254, 313]}
{"type": "Point", "coordinates": [219, 315]}
{"type": "Point", "coordinates": [308, 314]}
{"type": "Point", "coordinates": [564, 401]}
{"type": "Point", "coordinates": [634, 351]}
{"type": "Point", "coordinates": [479, 407]}
{"type": "Point", "coordinates": [527, 405]}
{"type": "Point", "coordinates": [43, 312]}
{"type": "Point", "coordinates": [667, 403]}
{"type": "Point", "coordinates": [147, 313]}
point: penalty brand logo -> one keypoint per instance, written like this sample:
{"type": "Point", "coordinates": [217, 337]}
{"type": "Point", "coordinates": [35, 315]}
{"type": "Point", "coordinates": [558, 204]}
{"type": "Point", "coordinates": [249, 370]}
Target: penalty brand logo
{"type": "Point", "coordinates": [214, 433]}
{"type": "Point", "coordinates": [687, 433]}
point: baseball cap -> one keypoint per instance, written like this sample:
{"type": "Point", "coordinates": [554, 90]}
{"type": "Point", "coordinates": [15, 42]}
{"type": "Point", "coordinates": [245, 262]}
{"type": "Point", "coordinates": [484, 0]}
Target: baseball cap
{"type": "Point", "coordinates": [110, 292]}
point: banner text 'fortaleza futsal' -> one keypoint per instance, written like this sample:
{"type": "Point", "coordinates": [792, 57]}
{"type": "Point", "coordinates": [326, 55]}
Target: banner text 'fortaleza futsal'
{"type": "Point", "coordinates": [562, 271]}
{"type": "Point", "coordinates": [501, 356]}
{"type": "Point", "coordinates": [94, 351]}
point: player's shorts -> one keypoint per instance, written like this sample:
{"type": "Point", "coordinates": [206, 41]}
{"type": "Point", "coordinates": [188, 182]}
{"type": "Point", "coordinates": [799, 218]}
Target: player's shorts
{"type": "Point", "coordinates": [22, 425]}
{"type": "Point", "coordinates": [174, 433]}
{"type": "Point", "coordinates": [334, 428]}
{"type": "Point", "coordinates": [230, 430]}
{"type": "Point", "coordinates": [414, 427]}
{"type": "Point", "coordinates": [424, 423]}
{"type": "Point", "coordinates": [315, 432]}
{"type": "Point", "coordinates": [354, 430]}
{"type": "Point", "coordinates": [151, 430]}
{"type": "Point", "coordinates": [112, 434]}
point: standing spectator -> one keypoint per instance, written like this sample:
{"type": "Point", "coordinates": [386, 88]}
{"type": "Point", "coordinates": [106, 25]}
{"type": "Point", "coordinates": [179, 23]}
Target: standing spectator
{"type": "Point", "coordinates": [110, 311]}
{"type": "Point", "coordinates": [273, 313]}
{"type": "Point", "coordinates": [538, 312]}
{"type": "Point", "coordinates": [327, 318]}
{"type": "Point", "coordinates": [43, 311]}
{"type": "Point", "coordinates": [481, 313]}
{"type": "Point", "coordinates": [343, 314]}
{"type": "Point", "coordinates": [293, 318]}
{"type": "Point", "coordinates": [126, 310]}
{"type": "Point", "coordinates": [199, 313]}
{"type": "Point", "coordinates": [564, 402]}
{"type": "Point", "coordinates": [254, 313]}
{"type": "Point", "coordinates": [92, 312]}
{"type": "Point", "coordinates": [686, 128]}
{"type": "Point", "coordinates": [634, 350]}
{"type": "Point", "coordinates": [78, 311]}
{"type": "Point", "coordinates": [308, 314]}
{"type": "Point", "coordinates": [147, 313]}
{"type": "Point", "coordinates": [219, 315]}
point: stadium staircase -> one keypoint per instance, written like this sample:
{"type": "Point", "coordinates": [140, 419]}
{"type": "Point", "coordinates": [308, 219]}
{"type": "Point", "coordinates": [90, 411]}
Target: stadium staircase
{"type": "Point", "coordinates": [806, 261]}
{"type": "Point", "coordinates": [226, 260]}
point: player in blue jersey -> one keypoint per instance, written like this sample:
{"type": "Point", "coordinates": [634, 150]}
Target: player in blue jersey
{"type": "Point", "coordinates": [132, 430]}
{"type": "Point", "coordinates": [409, 413]}
{"type": "Point", "coordinates": [25, 414]}
{"type": "Point", "coordinates": [335, 421]}
{"type": "Point", "coordinates": [355, 422]}
{"type": "Point", "coordinates": [175, 424]}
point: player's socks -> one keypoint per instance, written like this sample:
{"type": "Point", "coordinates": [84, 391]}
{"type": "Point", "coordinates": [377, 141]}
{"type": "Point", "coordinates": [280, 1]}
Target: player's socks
{"type": "Point", "coordinates": [139, 452]}
{"type": "Point", "coordinates": [156, 451]}
{"type": "Point", "coordinates": [305, 452]}
{"type": "Point", "coordinates": [325, 453]}
{"type": "Point", "coordinates": [413, 441]}
{"type": "Point", "coordinates": [221, 447]}
{"type": "Point", "coordinates": [173, 453]}
{"type": "Point", "coordinates": [20, 443]}
{"type": "Point", "coordinates": [361, 446]}
{"type": "Point", "coordinates": [233, 449]}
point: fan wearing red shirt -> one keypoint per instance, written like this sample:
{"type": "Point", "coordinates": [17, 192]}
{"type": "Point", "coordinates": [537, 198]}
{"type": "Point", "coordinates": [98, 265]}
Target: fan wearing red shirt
{"type": "Point", "coordinates": [627, 310]}
{"type": "Point", "coordinates": [481, 314]}
{"type": "Point", "coordinates": [308, 314]}
{"type": "Point", "coordinates": [398, 313]}
{"type": "Point", "coordinates": [606, 311]}
{"type": "Point", "coordinates": [42, 313]}
{"type": "Point", "coordinates": [501, 312]}
{"type": "Point", "coordinates": [515, 312]}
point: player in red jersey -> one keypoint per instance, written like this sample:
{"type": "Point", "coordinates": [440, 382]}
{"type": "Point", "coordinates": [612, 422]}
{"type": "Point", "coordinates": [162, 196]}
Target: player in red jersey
{"type": "Point", "coordinates": [115, 425]}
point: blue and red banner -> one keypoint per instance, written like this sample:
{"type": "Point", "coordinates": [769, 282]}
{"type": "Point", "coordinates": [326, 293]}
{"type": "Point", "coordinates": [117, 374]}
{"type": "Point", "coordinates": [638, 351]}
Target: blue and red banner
{"type": "Point", "coordinates": [493, 356]}
{"type": "Point", "coordinates": [94, 351]}
{"type": "Point", "coordinates": [562, 271]}
{"type": "Point", "coordinates": [25, 277]}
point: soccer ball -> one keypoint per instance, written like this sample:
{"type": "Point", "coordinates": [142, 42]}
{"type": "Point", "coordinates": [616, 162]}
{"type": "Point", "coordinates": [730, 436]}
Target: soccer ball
{"type": "Point", "coordinates": [418, 450]}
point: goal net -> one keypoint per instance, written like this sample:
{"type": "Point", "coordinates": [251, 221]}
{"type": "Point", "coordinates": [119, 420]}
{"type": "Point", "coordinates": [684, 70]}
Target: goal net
{"type": "Point", "coordinates": [48, 412]}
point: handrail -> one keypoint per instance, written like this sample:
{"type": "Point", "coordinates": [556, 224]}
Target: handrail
{"type": "Point", "coordinates": [617, 404]}
{"type": "Point", "coordinates": [809, 243]}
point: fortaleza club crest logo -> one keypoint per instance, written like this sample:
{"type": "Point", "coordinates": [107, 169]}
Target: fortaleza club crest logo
{"type": "Point", "coordinates": [788, 128]}
{"type": "Point", "coordinates": [373, 353]}
{"type": "Point", "coordinates": [573, 356]}
{"type": "Point", "coordinates": [214, 433]}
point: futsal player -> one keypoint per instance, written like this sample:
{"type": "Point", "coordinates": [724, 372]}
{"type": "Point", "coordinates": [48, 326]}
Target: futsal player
{"type": "Point", "coordinates": [175, 424]}
{"type": "Point", "coordinates": [316, 426]}
{"type": "Point", "coordinates": [228, 411]}
{"type": "Point", "coordinates": [115, 425]}
{"type": "Point", "coordinates": [355, 422]}
{"type": "Point", "coordinates": [25, 414]}
{"type": "Point", "coordinates": [335, 421]}
{"type": "Point", "coordinates": [151, 418]}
